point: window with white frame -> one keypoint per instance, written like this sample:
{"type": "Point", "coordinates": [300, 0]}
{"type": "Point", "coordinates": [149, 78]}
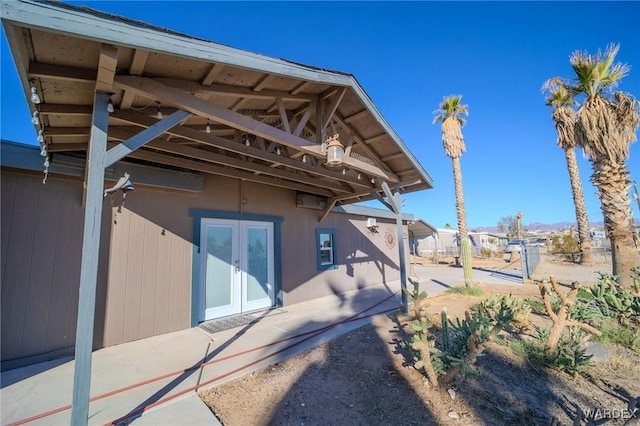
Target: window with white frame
{"type": "Point", "coordinates": [326, 249]}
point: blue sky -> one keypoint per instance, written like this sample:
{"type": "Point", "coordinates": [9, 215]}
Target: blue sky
{"type": "Point", "coordinates": [408, 56]}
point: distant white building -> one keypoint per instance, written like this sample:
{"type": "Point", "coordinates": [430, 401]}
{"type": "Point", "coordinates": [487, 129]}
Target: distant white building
{"type": "Point", "coordinates": [446, 242]}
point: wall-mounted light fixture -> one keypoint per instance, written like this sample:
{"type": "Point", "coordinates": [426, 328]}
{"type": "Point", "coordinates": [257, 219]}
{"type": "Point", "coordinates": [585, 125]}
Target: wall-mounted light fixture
{"type": "Point", "coordinates": [123, 185]}
{"type": "Point", "coordinates": [334, 151]}
{"type": "Point", "coordinates": [34, 92]}
{"type": "Point", "coordinates": [372, 225]}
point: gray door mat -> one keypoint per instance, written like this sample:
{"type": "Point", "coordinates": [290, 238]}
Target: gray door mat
{"type": "Point", "coordinates": [234, 321]}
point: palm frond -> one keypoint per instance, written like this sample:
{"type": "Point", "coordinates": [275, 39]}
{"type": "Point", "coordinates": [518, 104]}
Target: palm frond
{"type": "Point", "coordinates": [451, 107]}
{"type": "Point", "coordinates": [597, 74]}
{"type": "Point", "coordinates": [560, 97]}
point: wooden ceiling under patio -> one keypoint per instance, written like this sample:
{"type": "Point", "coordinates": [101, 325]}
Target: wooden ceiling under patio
{"type": "Point", "coordinates": [241, 115]}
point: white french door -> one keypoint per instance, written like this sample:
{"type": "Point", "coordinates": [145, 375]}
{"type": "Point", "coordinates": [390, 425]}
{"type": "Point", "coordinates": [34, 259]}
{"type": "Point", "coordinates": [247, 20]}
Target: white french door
{"type": "Point", "coordinates": [236, 266]}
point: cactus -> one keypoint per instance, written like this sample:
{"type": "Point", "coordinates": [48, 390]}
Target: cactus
{"type": "Point", "coordinates": [560, 317]}
{"type": "Point", "coordinates": [446, 342]}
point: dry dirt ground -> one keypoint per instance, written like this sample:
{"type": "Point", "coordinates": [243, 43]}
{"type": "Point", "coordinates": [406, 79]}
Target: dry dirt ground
{"type": "Point", "coordinates": [363, 378]}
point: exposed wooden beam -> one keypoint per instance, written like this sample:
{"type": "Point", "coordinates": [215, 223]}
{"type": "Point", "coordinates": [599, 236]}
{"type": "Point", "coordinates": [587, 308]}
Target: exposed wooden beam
{"type": "Point", "coordinates": [356, 116]}
{"type": "Point", "coordinates": [406, 172]}
{"type": "Point", "coordinates": [300, 87]}
{"type": "Point", "coordinates": [392, 156]}
{"type": "Point", "coordinates": [252, 167]}
{"type": "Point", "coordinates": [62, 147]}
{"type": "Point", "coordinates": [106, 68]}
{"type": "Point", "coordinates": [376, 138]}
{"type": "Point", "coordinates": [349, 146]}
{"type": "Point", "coordinates": [330, 205]}
{"type": "Point", "coordinates": [233, 146]}
{"type": "Point", "coordinates": [148, 134]}
{"type": "Point", "coordinates": [64, 109]}
{"type": "Point", "coordinates": [333, 106]}
{"type": "Point", "coordinates": [136, 67]}
{"type": "Point", "coordinates": [63, 73]}
{"type": "Point", "coordinates": [359, 140]}
{"type": "Point", "coordinates": [67, 131]}
{"type": "Point", "coordinates": [238, 104]}
{"type": "Point", "coordinates": [227, 171]}
{"type": "Point", "coordinates": [305, 118]}
{"type": "Point", "coordinates": [263, 82]}
{"type": "Point", "coordinates": [213, 73]}
{"type": "Point", "coordinates": [138, 62]}
{"type": "Point", "coordinates": [368, 194]}
{"type": "Point", "coordinates": [283, 116]}
{"type": "Point", "coordinates": [231, 91]}
{"type": "Point", "coordinates": [155, 90]}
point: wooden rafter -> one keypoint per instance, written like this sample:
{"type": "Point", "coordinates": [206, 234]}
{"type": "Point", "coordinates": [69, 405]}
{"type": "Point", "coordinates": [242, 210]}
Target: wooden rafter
{"type": "Point", "coordinates": [235, 147]}
{"type": "Point", "coordinates": [136, 67]}
{"type": "Point", "coordinates": [106, 68]}
{"type": "Point", "coordinates": [211, 75]}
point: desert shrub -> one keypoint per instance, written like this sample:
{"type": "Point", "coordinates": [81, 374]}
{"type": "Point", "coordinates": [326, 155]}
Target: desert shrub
{"type": "Point", "coordinates": [614, 301]}
{"type": "Point", "coordinates": [614, 333]}
{"type": "Point", "coordinates": [536, 305]}
{"type": "Point", "coordinates": [462, 341]}
{"type": "Point", "coordinates": [492, 306]}
{"type": "Point", "coordinates": [571, 356]}
{"type": "Point", "coordinates": [467, 291]}
{"type": "Point", "coordinates": [566, 246]}
{"type": "Point", "coordinates": [487, 252]}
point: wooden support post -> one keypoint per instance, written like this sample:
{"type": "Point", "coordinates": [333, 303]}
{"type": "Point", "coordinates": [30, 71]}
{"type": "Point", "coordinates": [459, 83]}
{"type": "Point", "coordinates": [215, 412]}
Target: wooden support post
{"type": "Point", "coordinates": [89, 263]}
{"type": "Point", "coordinates": [394, 201]}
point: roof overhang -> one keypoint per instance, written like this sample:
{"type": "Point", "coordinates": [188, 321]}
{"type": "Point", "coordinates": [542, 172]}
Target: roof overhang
{"type": "Point", "coordinates": [421, 229]}
{"type": "Point", "coordinates": [237, 114]}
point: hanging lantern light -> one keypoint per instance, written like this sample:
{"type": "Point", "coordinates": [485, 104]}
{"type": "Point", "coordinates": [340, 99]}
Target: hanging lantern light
{"type": "Point", "coordinates": [335, 151]}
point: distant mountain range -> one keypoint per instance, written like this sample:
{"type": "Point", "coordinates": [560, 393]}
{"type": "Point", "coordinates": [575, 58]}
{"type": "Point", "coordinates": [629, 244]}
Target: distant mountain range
{"type": "Point", "coordinates": [537, 226]}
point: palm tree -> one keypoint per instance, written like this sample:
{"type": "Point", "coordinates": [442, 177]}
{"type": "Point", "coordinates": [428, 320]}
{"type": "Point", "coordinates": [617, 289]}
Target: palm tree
{"type": "Point", "coordinates": [564, 117]}
{"type": "Point", "coordinates": [605, 128]}
{"type": "Point", "coordinates": [449, 113]}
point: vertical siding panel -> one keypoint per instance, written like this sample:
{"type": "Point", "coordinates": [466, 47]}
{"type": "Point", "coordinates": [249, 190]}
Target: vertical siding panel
{"type": "Point", "coordinates": [149, 278]}
{"type": "Point", "coordinates": [11, 283]}
{"type": "Point", "coordinates": [21, 239]}
{"type": "Point", "coordinates": [7, 196]}
{"type": "Point", "coordinates": [185, 274]}
{"type": "Point", "coordinates": [176, 291]}
{"type": "Point", "coordinates": [133, 300]}
{"type": "Point", "coordinates": [40, 271]}
{"type": "Point", "coordinates": [117, 287]}
{"type": "Point", "coordinates": [163, 265]}
{"type": "Point", "coordinates": [65, 274]}
{"type": "Point", "coordinates": [42, 261]}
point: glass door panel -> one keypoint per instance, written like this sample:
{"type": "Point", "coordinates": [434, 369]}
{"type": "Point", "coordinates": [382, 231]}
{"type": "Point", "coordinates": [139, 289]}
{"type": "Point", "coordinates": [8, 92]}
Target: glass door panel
{"type": "Point", "coordinates": [221, 278]}
{"type": "Point", "coordinates": [257, 250]}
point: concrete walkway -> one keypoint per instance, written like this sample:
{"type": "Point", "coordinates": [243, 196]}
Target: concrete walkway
{"type": "Point", "coordinates": [154, 381]}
